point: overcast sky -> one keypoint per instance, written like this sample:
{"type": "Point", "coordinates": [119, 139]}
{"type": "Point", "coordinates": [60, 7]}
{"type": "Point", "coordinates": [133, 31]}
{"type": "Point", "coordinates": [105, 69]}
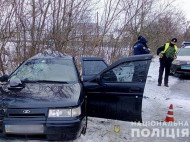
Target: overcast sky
{"type": "Point", "coordinates": [185, 6]}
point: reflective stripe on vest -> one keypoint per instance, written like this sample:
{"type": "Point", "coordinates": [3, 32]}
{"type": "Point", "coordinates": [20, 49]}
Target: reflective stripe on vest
{"type": "Point", "coordinates": [167, 45]}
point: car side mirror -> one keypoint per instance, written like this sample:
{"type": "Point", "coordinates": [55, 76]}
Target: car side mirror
{"type": "Point", "coordinates": [100, 81]}
{"type": "Point", "coordinates": [4, 78]}
{"type": "Point", "coordinates": [15, 84]}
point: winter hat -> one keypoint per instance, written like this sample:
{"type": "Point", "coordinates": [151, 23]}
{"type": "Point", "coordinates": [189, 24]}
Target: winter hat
{"type": "Point", "coordinates": [142, 39]}
{"type": "Point", "coordinates": [174, 39]}
{"type": "Point", "coordinates": [139, 37]}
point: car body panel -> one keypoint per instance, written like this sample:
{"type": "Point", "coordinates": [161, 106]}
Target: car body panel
{"type": "Point", "coordinates": [51, 129]}
{"type": "Point", "coordinates": [181, 65]}
{"type": "Point", "coordinates": [43, 95]}
{"type": "Point", "coordinates": [119, 100]}
{"type": "Point", "coordinates": [183, 58]}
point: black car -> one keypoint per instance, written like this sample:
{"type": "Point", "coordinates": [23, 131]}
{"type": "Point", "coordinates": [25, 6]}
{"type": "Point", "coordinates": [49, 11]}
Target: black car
{"type": "Point", "coordinates": [44, 98]}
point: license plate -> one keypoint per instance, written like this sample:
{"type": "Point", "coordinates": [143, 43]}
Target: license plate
{"type": "Point", "coordinates": [185, 67]}
{"type": "Point", "coordinates": [24, 129]}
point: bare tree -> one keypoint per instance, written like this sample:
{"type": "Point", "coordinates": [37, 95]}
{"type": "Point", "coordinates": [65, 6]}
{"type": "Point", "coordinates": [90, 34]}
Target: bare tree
{"type": "Point", "coordinates": [6, 32]}
{"type": "Point", "coordinates": [77, 28]}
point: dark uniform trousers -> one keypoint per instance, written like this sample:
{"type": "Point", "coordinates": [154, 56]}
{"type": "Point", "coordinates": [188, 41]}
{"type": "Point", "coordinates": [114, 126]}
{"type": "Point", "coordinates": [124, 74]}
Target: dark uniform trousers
{"type": "Point", "coordinates": [164, 64]}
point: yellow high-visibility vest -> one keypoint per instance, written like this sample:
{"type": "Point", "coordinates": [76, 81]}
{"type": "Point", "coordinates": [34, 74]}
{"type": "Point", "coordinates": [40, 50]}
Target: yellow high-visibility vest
{"type": "Point", "coordinates": [166, 47]}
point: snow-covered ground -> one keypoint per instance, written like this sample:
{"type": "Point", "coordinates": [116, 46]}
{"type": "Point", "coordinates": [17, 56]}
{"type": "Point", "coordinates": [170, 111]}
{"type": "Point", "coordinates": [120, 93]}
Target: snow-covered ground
{"type": "Point", "coordinates": [156, 102]}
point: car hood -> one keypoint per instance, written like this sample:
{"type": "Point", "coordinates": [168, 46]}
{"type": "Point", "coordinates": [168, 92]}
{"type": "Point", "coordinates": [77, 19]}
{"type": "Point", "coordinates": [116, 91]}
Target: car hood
{"type": "Point", "coordinates": [40, 95]}
{"type": "Point", "coordinates": [183, 58]}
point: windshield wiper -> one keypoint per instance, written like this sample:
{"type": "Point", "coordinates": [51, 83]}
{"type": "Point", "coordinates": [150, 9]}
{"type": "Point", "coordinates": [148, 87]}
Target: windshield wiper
{"type": "Point", "coordinates": [52, 81]}
{"type": "Point", "coordinates": [28, 81]}
{"type": "Point", "coordinates": [39, 81]}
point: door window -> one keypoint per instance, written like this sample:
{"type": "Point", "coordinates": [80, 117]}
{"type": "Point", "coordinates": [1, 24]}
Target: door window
{"type": "Point", "coordinates": [127, 72]}
{"type": "Point", "coordinates": [93, 67]}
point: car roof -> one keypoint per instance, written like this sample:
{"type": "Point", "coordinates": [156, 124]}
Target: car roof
{"type": "Point", "coordinates": [185, 44]}
{"type": "Point", "coordinates": [51, 54]}
{"type": "Point", "coordinates": [92, 58]}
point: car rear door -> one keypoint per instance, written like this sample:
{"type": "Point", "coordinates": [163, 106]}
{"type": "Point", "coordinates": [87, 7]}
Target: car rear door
{"type": "Point", "coordinates": [117, 91]}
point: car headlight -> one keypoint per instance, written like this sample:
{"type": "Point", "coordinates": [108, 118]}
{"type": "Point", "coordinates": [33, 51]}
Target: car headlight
{"type": "Point", "coordinates": [183, 62]}
{"type": "Point", "coordinates": [176, 62]}
{"type": "Point", "coordinates": [76, 111]}
{"type": "Point", "coordinates": [64, 112]}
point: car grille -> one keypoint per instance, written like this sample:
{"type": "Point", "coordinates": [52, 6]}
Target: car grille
{"type": "Point", "coordinates": [33, 137]}
{"type": "Point", "coordinates": [29, 113]}
{"type": "Point", "coordinates": [182, 70]}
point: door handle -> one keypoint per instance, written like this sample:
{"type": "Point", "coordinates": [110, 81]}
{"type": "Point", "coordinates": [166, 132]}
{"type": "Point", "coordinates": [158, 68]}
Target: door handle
{"type": "Point", "coordinates": [134, 89]}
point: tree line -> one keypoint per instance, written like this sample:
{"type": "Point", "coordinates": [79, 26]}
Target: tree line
{"type": "Point", "coordinates": [106, 28]}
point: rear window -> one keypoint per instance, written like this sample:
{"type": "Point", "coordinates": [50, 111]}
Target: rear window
{"type": "Point", "coordinates": [93, 67]}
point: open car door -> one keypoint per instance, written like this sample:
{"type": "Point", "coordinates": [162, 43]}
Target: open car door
{"type": "Point", "coordinates": [117, 91]}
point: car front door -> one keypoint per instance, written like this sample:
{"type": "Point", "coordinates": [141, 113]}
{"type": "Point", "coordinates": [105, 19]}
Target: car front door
{"type": "Point", "coordinates": [117, 91]}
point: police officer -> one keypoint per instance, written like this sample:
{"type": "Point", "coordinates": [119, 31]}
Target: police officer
{"type": "Point", "coordinates": [167, 54]}
{"type": "Point", "coordinates": [140, 46]}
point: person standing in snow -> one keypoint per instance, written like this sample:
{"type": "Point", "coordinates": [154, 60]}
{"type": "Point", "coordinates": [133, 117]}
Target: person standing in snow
{"type": "Point", "coordinates": [167, 54]}
{"type": "Point", "coordinates": [140, 46]}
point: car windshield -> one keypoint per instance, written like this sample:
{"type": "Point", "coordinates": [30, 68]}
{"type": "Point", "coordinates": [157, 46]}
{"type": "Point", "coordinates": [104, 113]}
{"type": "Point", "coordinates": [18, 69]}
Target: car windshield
{"type": "Point", "coordinates": [184, 52]}
{"type": "Point", "coordinates": [47, 69]}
